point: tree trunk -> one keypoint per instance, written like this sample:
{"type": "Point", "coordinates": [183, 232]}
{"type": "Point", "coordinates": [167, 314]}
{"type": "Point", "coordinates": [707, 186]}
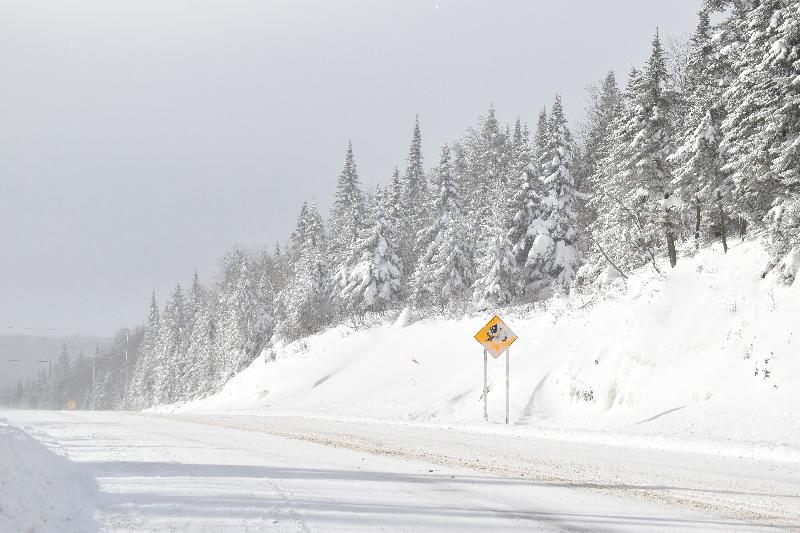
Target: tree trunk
{"type": "Point", "coordinates": [673, 256]}
{"type": "Point", "coordinates": [722, 230]}
{"type": "Point", "coordinates": [697, 227]}
{"type": "Point", "coordinates": [668, 228]}
{"type": "Point", "coordinates": [742, 227]}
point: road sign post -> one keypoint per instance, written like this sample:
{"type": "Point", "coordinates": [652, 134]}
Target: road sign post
{"type": "Point", "coordinates": [508, 350]}
{"type": "Point", "coordinates": [485, 386]}
{"type": "Point", "coordinates": [495, 337]}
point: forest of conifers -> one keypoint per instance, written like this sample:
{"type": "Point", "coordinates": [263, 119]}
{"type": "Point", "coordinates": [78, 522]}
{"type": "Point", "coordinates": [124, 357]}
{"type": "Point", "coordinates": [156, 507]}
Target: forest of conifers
{"type": "Point", "coordinates": [699, 145]}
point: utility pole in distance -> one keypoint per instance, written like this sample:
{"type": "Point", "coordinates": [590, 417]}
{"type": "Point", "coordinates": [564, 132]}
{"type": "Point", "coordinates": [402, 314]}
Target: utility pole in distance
{"type": "Point", "coordinates": [125, 383]}
{"type": "Point", "coordinates": [96, 353]}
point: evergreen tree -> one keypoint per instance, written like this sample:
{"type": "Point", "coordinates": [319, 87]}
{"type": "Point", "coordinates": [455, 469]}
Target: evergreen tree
{"type": "Point", "coordinates": [699, 180]}
{"type": "Point", "coordinates": [142, 388]}
{"type": "Point", "coordinates": [634, 190]}
{"type": "Point", "coordinates": [59, 379]}
{"type": "Point", "coordinates": [413, 201]}
{"type": "Point", "coordinates": [395, 200]}
{"type": "Point", "coordinates": [540, 143]}
{"type": "Point", "coordinates": [488, 159]}
{"type": "Point", "coordinates": [497, 272]}
{"type": "Point", "coordinates": [348, 210]}
{"type": "Point", "coordinates": [445, 271]}
{"type": "Point", "coordinates": [169, 367]}
{"type": "Point", "coordinates": [304, 299]}
{"type": "Point", "coordinates": [373, 281]}
{"type": "Point", "coordinates": [347, 220]}
{"type": "Point", "coordinates": [760, 129]}
{"type": "Point", "coordinates": [201, 372]}
{"type": "Point", "coordinates": [520, 150]}
{"type": "Point", "coordinates": [527, 223]}
{"type": "Point", "coordinates": [604, 107]}
{"type": "Point", "coordinates": [559, 201]}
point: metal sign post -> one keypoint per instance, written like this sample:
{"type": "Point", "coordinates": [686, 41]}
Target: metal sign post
{"type": "Point", "coordinates": [496, 338]}
{"type": "Point", "coordinates": [485, 387]}
{"type": "Point", "coordinates": [508, 350]}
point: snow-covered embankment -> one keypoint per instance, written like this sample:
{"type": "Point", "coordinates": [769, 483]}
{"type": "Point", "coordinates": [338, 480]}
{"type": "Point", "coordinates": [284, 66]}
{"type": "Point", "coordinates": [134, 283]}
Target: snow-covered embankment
{"type": "Point", "coordinates": [41, 491]}
{"type": "Point", "coordinates": [705, 352]}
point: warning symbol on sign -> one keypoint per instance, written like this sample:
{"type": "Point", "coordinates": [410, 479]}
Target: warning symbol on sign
{"type": "Point", "coordinates": [496, 337]}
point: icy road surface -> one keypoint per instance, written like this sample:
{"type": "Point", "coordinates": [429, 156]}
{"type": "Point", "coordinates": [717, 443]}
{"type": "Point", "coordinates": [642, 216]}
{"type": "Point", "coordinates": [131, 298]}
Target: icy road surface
{"type": "Point", "coordinates": [255, 473]}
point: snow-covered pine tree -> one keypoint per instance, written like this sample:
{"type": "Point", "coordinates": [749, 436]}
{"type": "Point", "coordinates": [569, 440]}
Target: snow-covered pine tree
{"type": "Point", "coordinates": [633, 195]}
{"type": "Point", "coordinates": [201, 359]}
{"type": "Point", "coordinates": [264, 305]}
{"type": "Point", "coordinates": [497, 278]}
{"type": "Point", "coordinates": [521, 153]}
{"type": "Point", "coordinates": [372, 283]}
{"type": "Point", "coordinates": [525, 225]}
{"type": "Point", "coordinates": [748, 126]}
{"type": "Point", "coordinates": [298, 236]}
{"type": "Point", "coordinates": [170, 359]}
{"type": "Point", "coordinates": [445, 270]}
{"type": "Point", "coordinates": [618, 234]}
{"type": "Point", "coordinates": [413, 201]}
{"type": "Point", "coordinates": [653, 145]}
{"type": "Point", "coordinates": [304, 300]}
{"type": "Point", "coordinates": [782, 63]}
{"type": "Point", "coordinates": [559, 203]}
{"type": "Point", "coordinates": [540, 142]}
{"type": "Point", "coordinates": [347, 221]}
{"type": "Point", "coordinates": [605, 104]}
{"type": "Point", "coordinates": [59, 378]}
{"type": "Point", "coordinates": [699, 180]}
{"type": "Point", "coordinates": [236, 303]}
{"type": "Point", "coordinates": [395, 200]}
{"type": "Point", "coordinates": [142, 389]}
{"type": "Point", "coordinates": [488, 157]}
{"type": "Point", "coordinates": [760, 130]}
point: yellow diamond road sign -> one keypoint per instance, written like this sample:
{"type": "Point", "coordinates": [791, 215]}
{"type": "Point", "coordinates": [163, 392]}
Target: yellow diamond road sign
{"type": "Point", "coordinates": [496, 337]}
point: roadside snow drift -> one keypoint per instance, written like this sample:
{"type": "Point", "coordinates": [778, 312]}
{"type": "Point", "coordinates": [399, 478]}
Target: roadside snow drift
{"type": "Point", "coordinates": [39, 490]}
{"type": "Point", "coordinates": [707, 350]}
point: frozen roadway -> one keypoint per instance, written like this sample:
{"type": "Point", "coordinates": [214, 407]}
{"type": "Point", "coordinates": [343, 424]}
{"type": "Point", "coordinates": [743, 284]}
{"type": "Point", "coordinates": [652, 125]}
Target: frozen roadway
{"type": "Point", "coordinates": [222, 472]}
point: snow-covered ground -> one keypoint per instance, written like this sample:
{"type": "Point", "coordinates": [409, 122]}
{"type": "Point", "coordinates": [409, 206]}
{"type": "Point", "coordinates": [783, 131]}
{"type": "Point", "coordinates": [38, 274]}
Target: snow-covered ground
{"type": "Point", "coordinates": [236, 473]}
{"type": "Point", "coordinates": [703, 358]}
{"type": "Point", "coordinates": [661, 403]}
{"type": "Point", "coordinates": [41, 491]}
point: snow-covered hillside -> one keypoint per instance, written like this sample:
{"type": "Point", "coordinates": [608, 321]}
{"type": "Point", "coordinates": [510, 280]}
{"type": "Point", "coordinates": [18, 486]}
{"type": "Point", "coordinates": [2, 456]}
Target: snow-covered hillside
{"type": "Point", "coordinates": [39, 490]}
{"type": "Point", "coordinates": [705, 352]}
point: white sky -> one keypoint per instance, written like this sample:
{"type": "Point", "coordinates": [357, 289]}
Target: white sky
{"type": "Point", "coordinates": [140, 139]}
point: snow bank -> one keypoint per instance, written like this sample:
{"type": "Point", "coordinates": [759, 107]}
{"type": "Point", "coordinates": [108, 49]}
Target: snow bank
{"type": "Point", "coordinates": [39, 490]}
{"type": "Point", "coordinates": [707, 351]}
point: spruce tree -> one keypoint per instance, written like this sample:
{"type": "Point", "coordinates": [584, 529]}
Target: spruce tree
{"type": "Point", "coordinates": [347, 221]}
{"type": "Point", "coordinates": [372, 283]}
{"type": "Point", "coordinates": [445, 271]}
{"type": "Point", "coordinates": [488, 160]}
{"type": "Point", "coordinates": [201, 359]}
{"type": "Point", "coordinates": [304, 300]}
{"type": "Point", "coordinates": [497, 278]}
{"type": "Point", "coordinates": [170, 359]}
{"type": "Point", "coordinates": [603, 109]}
{"type": "Point", "coordinates": [142, 389]}
{"type": "Point", "coordinates": [413, 201]}
{"type": "Point", "coordinates": [699, 180]}
{"type": "Point", "coordinates": [559, 201]}
{"type": "Point", "coordinates": [634, 200]}
{"type": "Point", "coordinates": [760, 129]}
{"type": "Point", "coordinates": [347, 214]}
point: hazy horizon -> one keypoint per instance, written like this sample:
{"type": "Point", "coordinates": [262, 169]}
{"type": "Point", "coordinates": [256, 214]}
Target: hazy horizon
{"type": "Point", "coordinates": [141, 140]}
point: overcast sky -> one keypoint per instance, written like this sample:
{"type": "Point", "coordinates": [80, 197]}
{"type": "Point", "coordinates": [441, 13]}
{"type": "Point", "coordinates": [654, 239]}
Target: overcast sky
{"type": "Point", "coordinates": [141, 139]}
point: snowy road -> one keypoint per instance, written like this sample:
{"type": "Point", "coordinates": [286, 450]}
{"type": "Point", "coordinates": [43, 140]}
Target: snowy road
{"type": "Point", "coordinates": [240, 473]}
